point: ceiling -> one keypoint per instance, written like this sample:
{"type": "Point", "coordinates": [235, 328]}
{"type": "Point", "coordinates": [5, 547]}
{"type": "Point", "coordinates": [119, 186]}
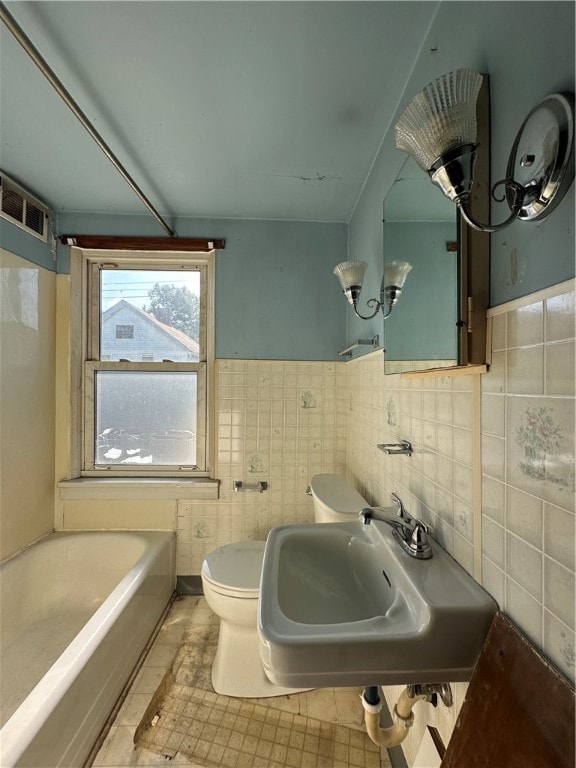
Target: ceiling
{"type": "Point", "coordinates": [267, 110]}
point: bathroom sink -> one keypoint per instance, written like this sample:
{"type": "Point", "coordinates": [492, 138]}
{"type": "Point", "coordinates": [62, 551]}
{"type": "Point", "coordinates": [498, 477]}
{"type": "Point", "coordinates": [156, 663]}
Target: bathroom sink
{"type": "Point", "coordinates": [341, 604]}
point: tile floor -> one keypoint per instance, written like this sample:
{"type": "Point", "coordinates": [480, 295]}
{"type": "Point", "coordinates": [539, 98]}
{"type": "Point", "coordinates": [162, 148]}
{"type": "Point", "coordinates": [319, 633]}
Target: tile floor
{"type": "Point", "coordinates": [335, 706]}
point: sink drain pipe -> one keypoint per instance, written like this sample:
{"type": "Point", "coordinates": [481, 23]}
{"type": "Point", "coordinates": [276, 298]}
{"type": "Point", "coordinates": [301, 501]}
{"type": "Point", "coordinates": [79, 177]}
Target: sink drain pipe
{"type": "Point", "coordinates": [402, 714]}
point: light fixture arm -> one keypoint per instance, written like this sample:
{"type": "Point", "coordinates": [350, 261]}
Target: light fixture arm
{"type": "Point", "coordinates": [515, 194]}
{"type": "Point", "coordinates": [370, 303]}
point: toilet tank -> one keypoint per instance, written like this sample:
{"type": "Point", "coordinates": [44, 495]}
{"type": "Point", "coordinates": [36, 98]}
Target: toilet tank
{"type": "Point", "coordinates": [335, 499]}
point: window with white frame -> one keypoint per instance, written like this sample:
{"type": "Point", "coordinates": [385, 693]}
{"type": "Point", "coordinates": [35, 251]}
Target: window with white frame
{"type": "Point", "coordinates": [147, 368]}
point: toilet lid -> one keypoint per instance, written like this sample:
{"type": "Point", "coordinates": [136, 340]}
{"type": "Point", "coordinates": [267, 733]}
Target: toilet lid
{"type": "Point", "coordinates": [235, 566]}
{"type": "Point", "coordinates": [336, 493]}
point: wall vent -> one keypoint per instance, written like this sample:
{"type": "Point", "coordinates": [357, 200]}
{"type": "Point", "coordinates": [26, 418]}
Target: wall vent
{"type": "Point", "coordinates": [19, 207]}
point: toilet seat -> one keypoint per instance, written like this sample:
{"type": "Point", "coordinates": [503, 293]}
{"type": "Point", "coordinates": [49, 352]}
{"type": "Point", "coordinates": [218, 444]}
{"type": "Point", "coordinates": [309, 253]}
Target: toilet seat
{"type": "Point", "coordinates": [234, 569]}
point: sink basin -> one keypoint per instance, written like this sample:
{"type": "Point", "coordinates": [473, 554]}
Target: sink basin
{"type": "Point", "coordinates": [341, 604]}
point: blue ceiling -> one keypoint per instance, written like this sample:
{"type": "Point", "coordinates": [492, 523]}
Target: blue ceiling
{"type": "Point", "coordinates": [267, 110]}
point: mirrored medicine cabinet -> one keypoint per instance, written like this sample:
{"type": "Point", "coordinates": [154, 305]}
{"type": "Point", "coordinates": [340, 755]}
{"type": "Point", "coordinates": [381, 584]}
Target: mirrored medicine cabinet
{"type": "Point", "coordinates": [439, 321]}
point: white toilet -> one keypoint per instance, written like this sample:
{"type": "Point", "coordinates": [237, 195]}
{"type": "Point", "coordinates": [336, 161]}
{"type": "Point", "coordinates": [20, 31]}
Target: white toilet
{"type": "Point", "coordinates": [231, 582]}
{"type": "Point", "coordinates": [335, 499]}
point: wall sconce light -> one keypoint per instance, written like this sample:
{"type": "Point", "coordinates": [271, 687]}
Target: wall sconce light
{"type": "Point", "coordinates": [351, 275]}
{"type": "Point", "coordinates": [438, 129]}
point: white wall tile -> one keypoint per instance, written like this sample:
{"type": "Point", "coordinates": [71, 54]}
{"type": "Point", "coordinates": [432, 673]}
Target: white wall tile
{"type": "Point", "coordinates": [525, 326]}
{"type": "Point", "coordinates": [524, 516]}
{"type": "Point", "coordinates": [560, 643]}
{"type": "Point", "coordinates": [493, 542]}
{"type": "Point", "coordinates": [560, 316]}
{"type": "Point", "coordinates": [559, 591]}
{"type": "Point", "coordinates": [560, 379]}
{"type": "Point", "coordinates": [493, 495]}
{"type": "Point", "coordinates": [524, 565]}
{"type": "Point", "coordinates": [279, 421]}
{"type": "Point", "coordinates": [493, 414]}
{"type": "Point", "coordinates": [528, 466]}
{"type": "Point", "coordinates": [559, 535]}
{"type": "Point", "coordinates": [493, 580]}
{"type": "Point", "coordinates": [493, 456]}
{"type": "Point", "coordinates": [525, 371]}
{"type": "Point", "coordinates": [495, 380]}
{"type": "Point", "coordinates": [525, 610]}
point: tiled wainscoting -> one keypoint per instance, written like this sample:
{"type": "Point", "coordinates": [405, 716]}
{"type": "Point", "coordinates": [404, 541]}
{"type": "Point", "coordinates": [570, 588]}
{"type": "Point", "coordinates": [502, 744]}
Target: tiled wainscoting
{"type": "Point", "coordinates": [492, 471]}
{"type": "Point", "coordinates": [528, 472]}
{"type": "Point", "coordinates": [280, 422]}
{"type": "Point", "coordinates": [439, 415]}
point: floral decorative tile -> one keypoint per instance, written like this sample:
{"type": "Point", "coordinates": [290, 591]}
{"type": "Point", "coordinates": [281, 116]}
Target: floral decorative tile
{"type": "Point", "coordinates": [203, 529]}
{"type": "Point", "coordinates": [308, 400]}
{"type": "Point", "coordinates": [255, 464]}
{"type": "Point", "coordinates": [540, 447]}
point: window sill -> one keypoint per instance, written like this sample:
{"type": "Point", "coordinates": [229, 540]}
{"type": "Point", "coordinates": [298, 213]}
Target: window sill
{"type": "Point", "coordinates": [111, 488]}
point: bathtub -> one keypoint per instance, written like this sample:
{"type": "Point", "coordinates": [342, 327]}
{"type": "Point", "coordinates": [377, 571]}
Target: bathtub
{"type": "Point", "coordinates": [77, 610]}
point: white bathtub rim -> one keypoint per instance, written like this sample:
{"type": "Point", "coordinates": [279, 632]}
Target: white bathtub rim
{"type": "Point", "coordinates": [36, 708]}
{"type": "Point", "coordinates": [62, 532]}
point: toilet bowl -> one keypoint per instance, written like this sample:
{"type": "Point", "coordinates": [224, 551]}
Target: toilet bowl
{"type": "Point", "coordinates": [231, 582]}
{"type": "Point", "coordinates": [335, 499]}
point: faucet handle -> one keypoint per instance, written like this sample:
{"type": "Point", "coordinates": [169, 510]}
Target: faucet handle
{"type": "Point", "coordinates": [419, 545]}
{"type": "Point", "coordinates": [401, 510]}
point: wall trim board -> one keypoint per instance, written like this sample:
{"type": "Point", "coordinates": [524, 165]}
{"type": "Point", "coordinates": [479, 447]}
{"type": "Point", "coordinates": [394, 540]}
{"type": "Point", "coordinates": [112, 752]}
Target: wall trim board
{"type": "Point", "coordinates": [546, 293]}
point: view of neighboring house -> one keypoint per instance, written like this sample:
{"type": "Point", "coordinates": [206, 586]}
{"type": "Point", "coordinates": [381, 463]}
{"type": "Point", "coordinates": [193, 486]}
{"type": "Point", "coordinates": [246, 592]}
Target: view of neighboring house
{"type": "Point", "coordinates": [145, 417]}
{"type": "Point", "coordinates": [130, 333]}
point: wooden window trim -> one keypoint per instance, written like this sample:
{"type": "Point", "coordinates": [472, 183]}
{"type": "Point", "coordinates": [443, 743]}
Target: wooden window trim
{"type": "Point", "coordinates": [110, 242]}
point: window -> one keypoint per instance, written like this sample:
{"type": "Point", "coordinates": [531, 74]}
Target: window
{"type": "Point", "coordinates": [147, 365]}
{"type": "Point", "coordinates": [124, 331]}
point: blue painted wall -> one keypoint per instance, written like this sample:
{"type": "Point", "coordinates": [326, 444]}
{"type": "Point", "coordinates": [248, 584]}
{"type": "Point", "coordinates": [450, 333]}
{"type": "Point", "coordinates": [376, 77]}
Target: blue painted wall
{"type": "Point", "coordinates": [276, 298]}
{"type": "Point", "coordinates": [17, 241]}
{"type": "Point", "coordinates": [527, 49]}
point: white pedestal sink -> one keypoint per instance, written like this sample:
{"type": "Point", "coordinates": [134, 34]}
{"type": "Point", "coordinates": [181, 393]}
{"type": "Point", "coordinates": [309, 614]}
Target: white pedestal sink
{"type": "Point", "coordinates": [341, 604]}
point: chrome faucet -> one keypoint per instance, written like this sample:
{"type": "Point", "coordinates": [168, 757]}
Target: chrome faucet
{"type": "Point", "coordinates": [412, 534]}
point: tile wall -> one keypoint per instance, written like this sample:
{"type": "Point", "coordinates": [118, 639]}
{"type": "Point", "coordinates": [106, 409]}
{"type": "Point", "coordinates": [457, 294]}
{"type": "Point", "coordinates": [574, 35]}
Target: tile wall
{"type": "Point", "coordinates": [439, 415]}
{"type": "Point", "coordinates": [278, 421]}
{"type": "Point", "coordinates": [492, 471]}
{"type": "Point", "coordinates": [528, 472]}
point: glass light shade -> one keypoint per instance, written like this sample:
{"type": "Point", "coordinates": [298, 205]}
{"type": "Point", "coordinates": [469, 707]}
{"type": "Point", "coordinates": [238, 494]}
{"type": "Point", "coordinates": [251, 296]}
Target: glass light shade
{"type": "Point", "coordinates": [350, 273]}
{"type": "Point", "coordinates": [440, 118]}
{"type": "Point", "coordinates": [395, 273]}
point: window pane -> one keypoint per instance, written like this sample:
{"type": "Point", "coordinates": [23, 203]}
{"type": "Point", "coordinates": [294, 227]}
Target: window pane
{"type": "Point", "coordinates": [145, 418]}
{"type": "Point", "coordinates": [150, 312]}
{"type": "Point", "coordinates": [124, 331]}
